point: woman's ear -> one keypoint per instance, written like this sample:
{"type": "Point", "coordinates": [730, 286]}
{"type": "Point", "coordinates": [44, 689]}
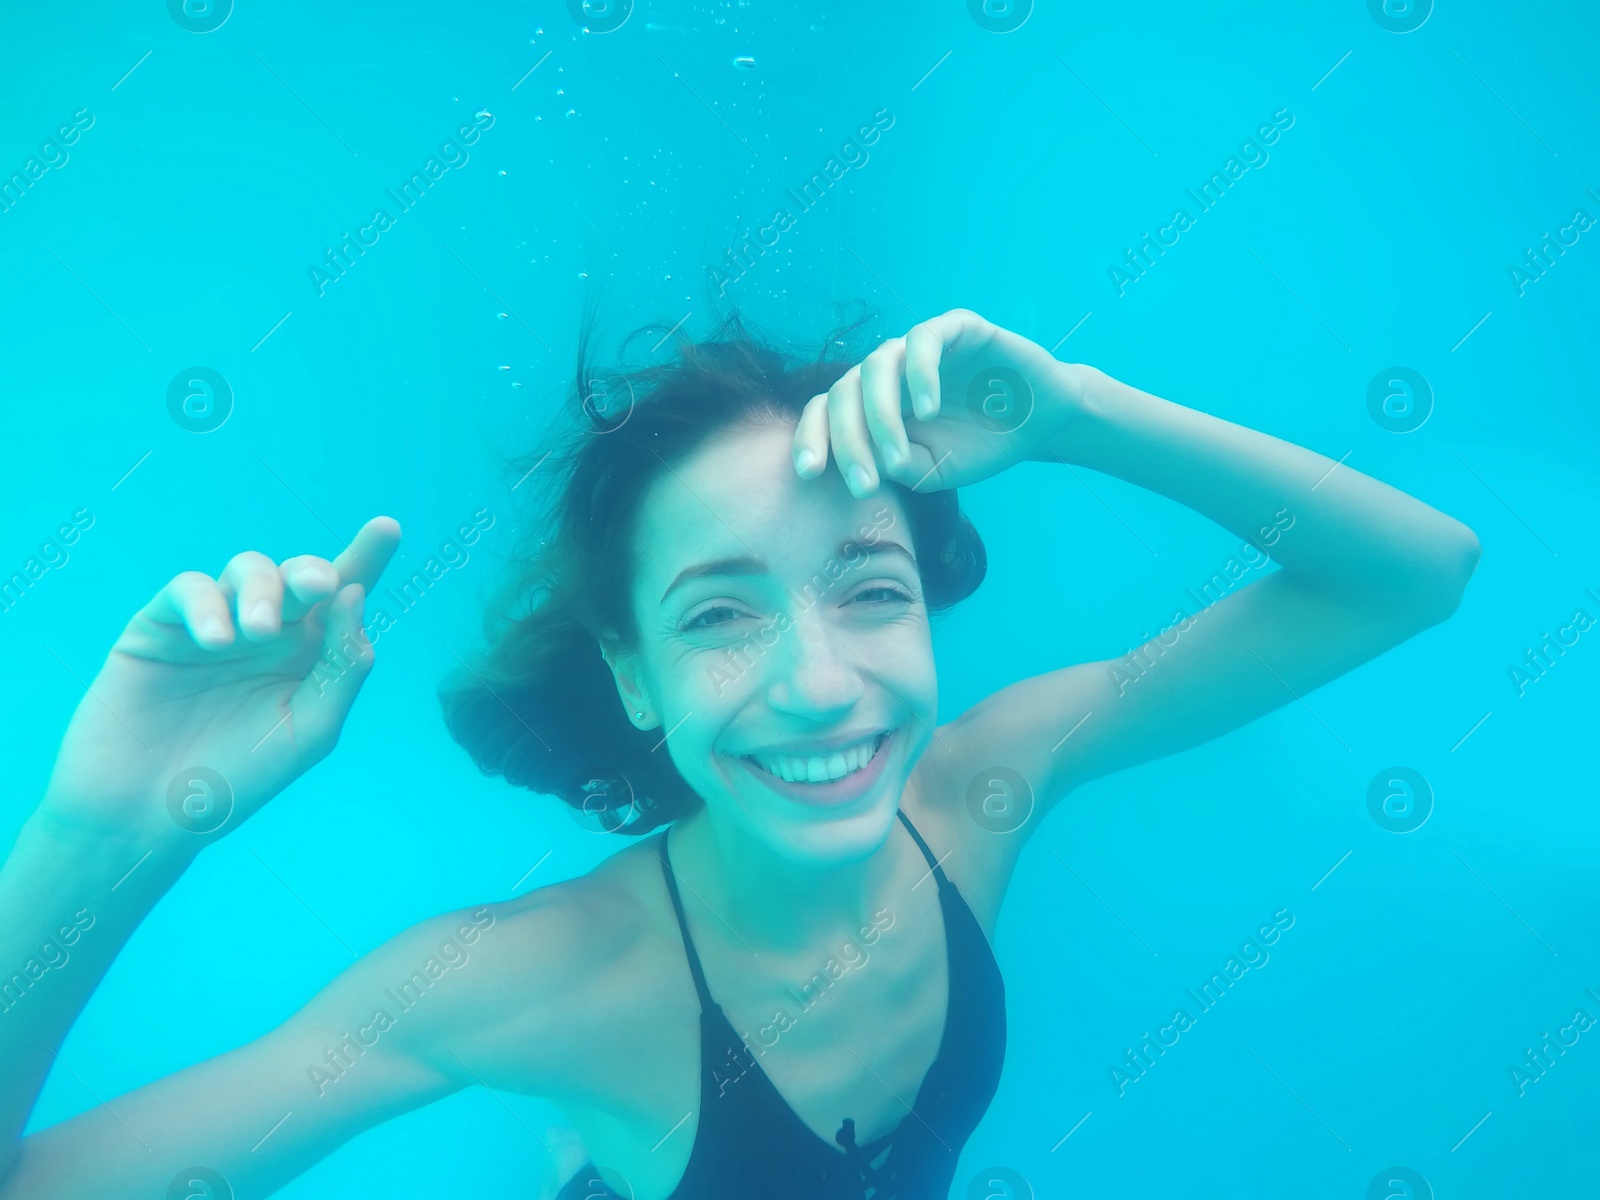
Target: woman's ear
{"type": "Point", "coordinates": [626, 670]}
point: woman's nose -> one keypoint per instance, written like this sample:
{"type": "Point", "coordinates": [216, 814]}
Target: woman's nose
{"type": "Point", "coordinates": [814, 674]}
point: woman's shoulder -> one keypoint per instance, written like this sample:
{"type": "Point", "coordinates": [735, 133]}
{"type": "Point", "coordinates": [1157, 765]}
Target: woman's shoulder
{"type": "Point", "coordinates": [557, 978]}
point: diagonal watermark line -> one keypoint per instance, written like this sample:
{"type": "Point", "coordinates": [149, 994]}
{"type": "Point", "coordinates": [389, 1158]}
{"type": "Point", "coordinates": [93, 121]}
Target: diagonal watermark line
{"type": "Point", "coordinates": [1072, 1131]}
{"type": "Point", "coordinates": [1331, 870]}
{"type": "Point", "coordinates": [1331, 70]}
{"type": "Point", "coordinates": [1072, 731]}
{"type": "Point", "coordinates": [1108, 107]}
{"type": "Point", "coordinates": [886, 287]}
{"type": "Point", "coordinates": [1508, 907]}
{"type": "Point", "coordinates": [131, 470]}
{"type": "Point", "coordinates": [939, 862]}
{"type": "Point", "coordinates": [272, 1131]}
{"type": "Point", "coordinates": [1509, 109]}
{"type": "Point", "coordinates": [1473, 1130]}
{"type": "Point", "coordinates": [308, 908]}
{"type": "Point", "coordinates": [531, 70]}
{"type": "Point", "coordinates": [1296, 1095]}
{"type": "Point", "coordinates": [272, 331]}
{"type": "Point", "coordinates": [1107, 506]}
{"type": "Point", "coordinates": [931, 70]}
{"type": "Point", "coordinates": [497, 297]}
{"type": "Point", "coordinates": [308, 107]}
{"type": "Point", "coordinates": [131, 870]}
{"type": "Point", "coordinates": [704, 105]}
{"type": "Point", "coordinates": [498, 1097]}
{"type": "Point", "coordinates": [1508, 507]}
{"type": "Point", "coordinates": [918, 484]}
{"type": "Point", "coordinates": [671, 331]}
{"type": "Point", "coordinates": [1472, 331]}
{"type": "Point", "coordinates": [531, 470]}
{"type": "Point", "coordinates": [1472, 731]}
{"type": "Point", "coordinates": [1297, 696]}
{"type": "Point", "coordinates": [532, 869]}
{"type": "Point", "coordinates": [484, 683]}
{"type": "Point", "coordinates": [97, 699]}
{"type": "Point", "coordinates": [342, 543]}
{"type": "Point", "coordinates": [1072, 331]}
{"type": "Point", "coordinates": [96, 295]}
{"type": "Point", "coordinates": [671, 1131]}
{"type": "Point", "coordinates": [96, 1095]}
{"type": "Point", "coordinates": [1109, 909]}
{"type": "Point", "coordinates": [670, 732]}
{"type": "Point", "coordinates": [910, 1108]}
{"type": "Point", "coordinates": [1332, 469]}
{"type": "Point", "coordinates": [1296, 295]}
{"type": "Point", "coordinates": [132, 69]}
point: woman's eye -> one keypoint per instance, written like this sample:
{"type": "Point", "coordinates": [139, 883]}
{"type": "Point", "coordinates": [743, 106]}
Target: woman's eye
{"type": "Point", "coordinates": [884, 593]}
{"type": "Point", "coordinates": [700, 621]}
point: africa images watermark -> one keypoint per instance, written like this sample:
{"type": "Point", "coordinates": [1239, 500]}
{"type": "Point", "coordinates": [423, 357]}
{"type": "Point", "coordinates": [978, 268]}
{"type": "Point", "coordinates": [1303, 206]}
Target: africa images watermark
{"type": "Point", "coordinates": [452, 152]}
{"type": "Point", "coordinates": [738, 659]}
{"type": "Point", "coordinates": [52, 556]}
{"type": "Point", "coordinates": [1252, 954]}
{"type": "Point", "coordinates": [746, 248]}
{"type": "Point", "coordinates": [52, 156]}
{"type": "Point", "coordinates": [1132, 666]}
{"type": "Point", "coordinates": [452, 955]}
{"type": "Point", "coordinates": [336, 661]}
{"type": "Point", "coordinates": [1252, 154]}
{"type": "Point", "coordinates": [852, 956]}
{"type": "Point", "coordinates": [52, 956]}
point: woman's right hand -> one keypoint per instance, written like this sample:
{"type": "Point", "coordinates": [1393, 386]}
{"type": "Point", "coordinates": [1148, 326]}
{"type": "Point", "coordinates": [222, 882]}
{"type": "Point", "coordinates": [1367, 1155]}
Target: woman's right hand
{"type": "Point", "coordinates": [220, 692]}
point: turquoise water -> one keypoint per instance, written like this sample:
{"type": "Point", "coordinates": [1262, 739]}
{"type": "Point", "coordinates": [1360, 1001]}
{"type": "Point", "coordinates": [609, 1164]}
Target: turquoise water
{"type": "Point", "coordinates": [1388, 229]}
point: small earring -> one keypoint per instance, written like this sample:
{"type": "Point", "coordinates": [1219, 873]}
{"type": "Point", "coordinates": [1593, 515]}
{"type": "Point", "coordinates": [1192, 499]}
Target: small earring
{"type": "Point", "coordinates": [639, 713]}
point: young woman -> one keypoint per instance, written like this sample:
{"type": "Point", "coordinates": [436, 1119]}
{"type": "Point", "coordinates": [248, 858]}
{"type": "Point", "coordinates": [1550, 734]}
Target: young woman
{"type": "Point", "coordinates": [724, 644]}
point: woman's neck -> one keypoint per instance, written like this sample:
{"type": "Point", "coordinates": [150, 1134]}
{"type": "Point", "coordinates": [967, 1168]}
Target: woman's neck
{"type": "Point", "coordinates": [769, 903]}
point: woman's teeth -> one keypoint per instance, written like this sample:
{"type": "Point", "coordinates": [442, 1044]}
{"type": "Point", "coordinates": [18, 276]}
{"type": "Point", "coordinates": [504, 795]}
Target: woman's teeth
{"type": "Point", "coordinates": [801, 768]}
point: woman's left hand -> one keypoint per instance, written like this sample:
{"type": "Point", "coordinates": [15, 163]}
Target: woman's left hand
{"type": "Point", "coordinates": [982, 399]}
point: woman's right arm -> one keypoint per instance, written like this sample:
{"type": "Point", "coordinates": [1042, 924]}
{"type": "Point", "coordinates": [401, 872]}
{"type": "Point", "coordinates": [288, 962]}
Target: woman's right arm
{"type": "Point", "coordinates": [216, 696]}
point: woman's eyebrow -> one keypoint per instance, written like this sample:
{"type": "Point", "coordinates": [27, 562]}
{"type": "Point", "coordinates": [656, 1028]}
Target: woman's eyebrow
{"type": "Point", "coordinates": [751, 565]}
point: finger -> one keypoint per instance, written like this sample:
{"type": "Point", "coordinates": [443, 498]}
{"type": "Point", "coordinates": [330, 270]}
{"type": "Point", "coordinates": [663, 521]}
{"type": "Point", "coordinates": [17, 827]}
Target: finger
{"type": "Point", "coordinates": [924, 347]}
{"type": "Point", "coordinates": [926, 344]}
{"type": "Point", "coordinates": [881, 400]}
{"type": "Point", "coordinates": [811, 438]}
{"type": "Point", "coordinates": [308, 580]}
{"type": "Point", "coordinates": [847, 431]}
{"type": "Point", "coordinates": [195, 601]}
{"type": "Point", "coordinates": [320, 704]}
{"type": "Point", "coordinates": [364, 559]}
{"type": "Point", "coordinates": [252, 583]}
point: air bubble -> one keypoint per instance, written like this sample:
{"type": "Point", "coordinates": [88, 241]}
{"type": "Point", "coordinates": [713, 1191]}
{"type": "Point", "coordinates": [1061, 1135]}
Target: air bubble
{"type": "Point", "coordinates": [744, 62]}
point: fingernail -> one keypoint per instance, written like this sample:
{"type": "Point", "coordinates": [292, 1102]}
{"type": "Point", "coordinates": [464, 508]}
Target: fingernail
{"type": "Point", "coordinates": [892, 456]}
{"type": "Point", "coordinates": [860, 481]}
{"type": "Point", "coordinates": [804, 460]}
{"type": "Point", "coordinates": [260, 613]}
{"type": "Point", "coordinates": [922, 404]}
{"type": "Point", "coordinates": [212, 629]}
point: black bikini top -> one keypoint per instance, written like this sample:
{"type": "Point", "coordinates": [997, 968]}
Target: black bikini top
{"type": "Point", "coordinates": [749, 1142]}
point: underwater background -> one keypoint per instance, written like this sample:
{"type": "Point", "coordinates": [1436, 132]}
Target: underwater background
{"type": "Point", "coordinates": [1389, 256]}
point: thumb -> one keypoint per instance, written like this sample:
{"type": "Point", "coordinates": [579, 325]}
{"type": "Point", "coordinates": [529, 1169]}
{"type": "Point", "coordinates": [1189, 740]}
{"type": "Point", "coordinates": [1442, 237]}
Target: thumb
{"type": "Point", "coordinates": [321, 703]}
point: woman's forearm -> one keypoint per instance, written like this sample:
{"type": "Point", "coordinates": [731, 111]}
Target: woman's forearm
{"type": "Point", "coordinates": [70, 896]}
{"type": "Point", "coordinates": [1351, 535]}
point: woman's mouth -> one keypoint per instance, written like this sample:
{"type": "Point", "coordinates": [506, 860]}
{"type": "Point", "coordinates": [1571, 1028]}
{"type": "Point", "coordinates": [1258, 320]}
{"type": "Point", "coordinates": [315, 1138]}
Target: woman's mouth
{"type": "Point", "coordinates": [834, 778]}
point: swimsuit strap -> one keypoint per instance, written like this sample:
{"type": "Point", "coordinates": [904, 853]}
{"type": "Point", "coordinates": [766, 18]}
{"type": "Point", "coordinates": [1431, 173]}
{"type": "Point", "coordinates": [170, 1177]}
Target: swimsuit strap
{"type": "Point", "coordinates": [706, 1002]}
{"type": "Point", "coordinates": [938, 871]}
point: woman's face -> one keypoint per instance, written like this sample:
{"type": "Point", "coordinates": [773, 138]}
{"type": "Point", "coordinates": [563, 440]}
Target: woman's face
{"type": "Point", "coordinates": [783, 645]}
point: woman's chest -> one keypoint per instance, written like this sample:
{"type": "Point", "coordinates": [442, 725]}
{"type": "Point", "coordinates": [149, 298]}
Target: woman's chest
{"type": "Point", "coordinates": [850, 1032]}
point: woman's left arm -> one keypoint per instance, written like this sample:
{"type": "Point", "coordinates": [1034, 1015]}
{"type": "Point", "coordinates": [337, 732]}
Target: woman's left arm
{"type": "Point", "coordinates": [1364, 565]}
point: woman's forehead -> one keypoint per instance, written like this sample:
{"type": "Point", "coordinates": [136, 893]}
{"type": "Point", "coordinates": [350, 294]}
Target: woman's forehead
{"type": "Point", "coordinates": [740, 496]}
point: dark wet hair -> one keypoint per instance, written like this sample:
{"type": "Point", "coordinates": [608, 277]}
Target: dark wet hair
{"type": "Point", "coordinates": [540, 706]}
